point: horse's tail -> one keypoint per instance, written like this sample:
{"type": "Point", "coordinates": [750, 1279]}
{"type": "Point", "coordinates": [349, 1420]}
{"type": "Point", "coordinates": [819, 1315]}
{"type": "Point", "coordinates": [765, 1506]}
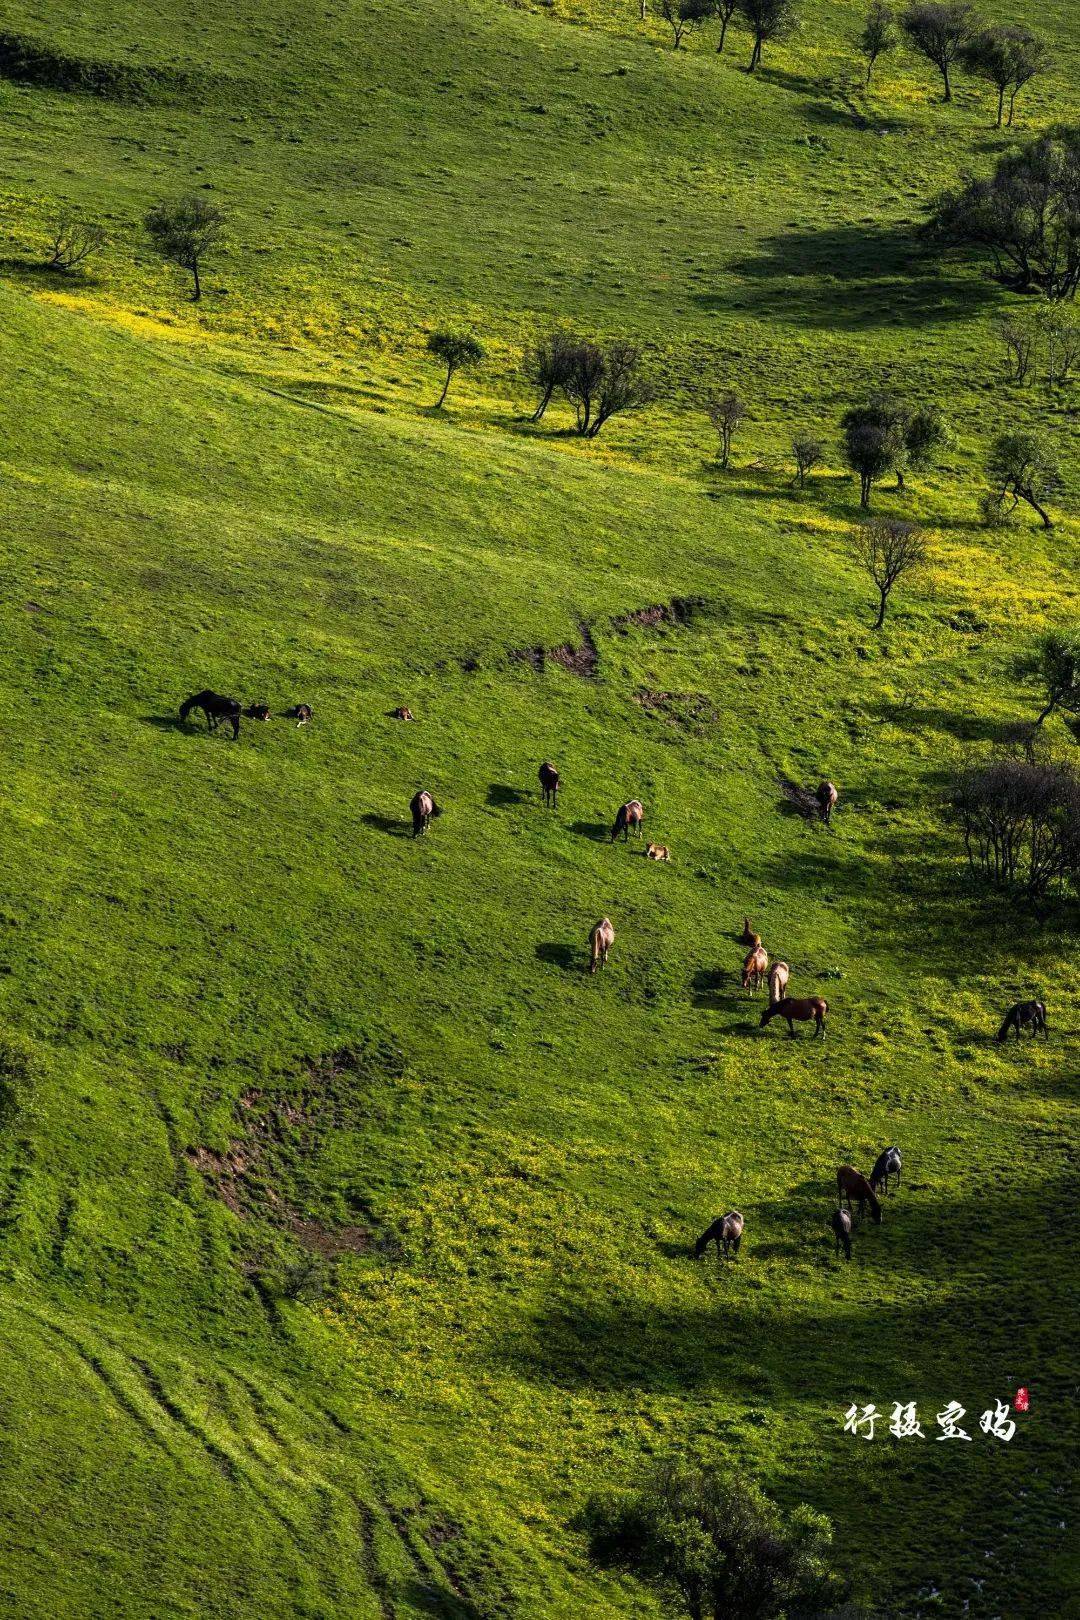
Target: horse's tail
{"type": "Point", "coordinates": [1003, 1032]}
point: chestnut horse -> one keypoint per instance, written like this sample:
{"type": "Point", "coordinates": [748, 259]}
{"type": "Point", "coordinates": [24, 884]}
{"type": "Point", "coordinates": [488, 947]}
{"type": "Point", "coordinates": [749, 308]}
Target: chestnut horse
{"type": "Point", "coordinates": [778, 978]}
{"type": "Point", "coordinates": [549, 783]}
{"type": "Point", "coordinates": [748, 937]}
{"type": "Point", "coordinates": [800, 1011]}
{"type": "Point", "coordinates": [826, 797]}
{"type": "Point", "coordinates": [601, 939]}
{"type": "Point", "coordinates": [727, 1229]}
{"type": "Point", "coordinates": [851, 1183]}
{"type": "Point", "coordinates": [423, 807]}
{"type": "Point", "coordinates": [753, 969]}
{"type": "Point", "coordinates": [629, 815]}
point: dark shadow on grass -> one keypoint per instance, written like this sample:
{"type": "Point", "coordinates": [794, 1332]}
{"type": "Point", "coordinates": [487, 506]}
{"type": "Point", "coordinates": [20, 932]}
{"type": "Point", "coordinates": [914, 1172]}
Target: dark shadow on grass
{"type": "Point", "coordinates": [386, 824]}
{"type": "Point", "coordinates": [167, 722]}
{"type": "Point", "coordinates": [500, 793]}
{"type": "Point", "coordinates": [427, 1597]}
{"type": "Point", "coordinates": [598, 831]}
{"type": "Point", "coordinates": [42, 276]}
{"type": "Point", "coordinates": [570, 958]}
{"type": "Point", "coordinates": [713, 988]}
{"type": "Point", "coordinates": [965, 727]}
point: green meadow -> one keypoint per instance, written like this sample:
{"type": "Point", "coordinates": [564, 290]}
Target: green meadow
{"type": "Point", "coordinates": [346, 1222]}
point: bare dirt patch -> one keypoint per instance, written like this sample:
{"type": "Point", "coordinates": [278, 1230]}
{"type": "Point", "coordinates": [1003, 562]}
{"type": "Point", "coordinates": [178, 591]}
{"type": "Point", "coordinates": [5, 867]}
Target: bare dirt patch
{"type": "Point", "coordinates": [691, 711]}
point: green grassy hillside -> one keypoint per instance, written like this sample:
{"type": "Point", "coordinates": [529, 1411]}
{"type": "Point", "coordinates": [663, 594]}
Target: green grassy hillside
{"type": "Point", "coordinates": [345, 1221]}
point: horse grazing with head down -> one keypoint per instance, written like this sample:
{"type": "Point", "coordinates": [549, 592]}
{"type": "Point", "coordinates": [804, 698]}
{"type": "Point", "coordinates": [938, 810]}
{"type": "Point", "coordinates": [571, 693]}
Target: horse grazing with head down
{"type": "Point", "coordinates": [798, 1010]}
{"type": "Point", "coordinates": [826, 797]}
{"type": "Point", "coordinates": [423, 807]}
{"type": "Point", "coordinates": [754, 968]}
{"type": "Point", "coordinates": [726, 1231]}
{"type": "Point", "coordinates": [1023, 1015]}
{"type": "Point", "coordinates": [630, 814]}
{"type": "Point", "coordinates": [778, 978]}
{"type": "Point", "coordinates": [840, 1221]}
{"type": "Point", "coordinates": [852, 1184]}
{"type": "Point", "coordinates": [549, 783]}
{"type": "Point", "coordinates": [601, 939]}
{"type": "Point", "coordinates": [887, 1164]}
{"type": "Point", "coordinates": [216, 709]}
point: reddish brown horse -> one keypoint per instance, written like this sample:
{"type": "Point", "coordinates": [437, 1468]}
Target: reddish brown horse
{"type": "Point", "coordinates": [748, 937]}
{"type": "Point", "coordinates": [826, 797]}
{"type": "Point", "coordinates": [754, 969]}
{"type": "Point", "coordinates": [629, 815]}
{"type": "Point", "coordinates": [852, 1184]}
{"type": "Point", "coordinates": [798, 1010]}
{"type": "Point", "coordinates": [549, 783]}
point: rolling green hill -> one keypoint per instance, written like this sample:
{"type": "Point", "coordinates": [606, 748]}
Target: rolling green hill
{"type": "Point", "coordinates": [345, 1223]}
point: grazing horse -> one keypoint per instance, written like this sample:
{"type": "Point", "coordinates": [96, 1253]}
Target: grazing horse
{"type": "Point", "coordinates": [657, 852]}
{"type": "Point", "coordinates": [753, 969]}
{"type": "Point", "coordinates": [840, 1221]}
{"type": "Point", "coordinates": [851, 1183]}
{"type": "Point", "coordinates": [778, 978]}
{"type": "Point", "coordinates": [727, 1229]}
{"type": "Point", "coordinates": [423, 807]}
{"type": "Point", "coordinates": [601, 939]}
{"type": "Point", "coordinates": [826, 797]}
{"type": "Point", "coordinates": [301, 713]}
{"type": "Point", "coordinates": [748, 937]}
{"type": "Point", "coordinates": [629, 815]}
{"type": "Point", "coordinates": [549, 783]}
{"type": "Point", "coordinates": [799, 1011]}
{"type": "Point", "coordinates": [256, 711]}
{"type": "Point", "coordinates": [402, 714]}
{"type": "Point", "coordinates": [887, 1164]}
{"type": "Point", "coordinates": [1024, 1013]}
{"type": "Point", "coordinates": [216, 708]}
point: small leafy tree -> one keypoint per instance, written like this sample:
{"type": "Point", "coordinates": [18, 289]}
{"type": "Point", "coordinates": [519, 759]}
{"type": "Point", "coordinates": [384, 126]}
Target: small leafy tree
{"type": "Point", "coordinates": [939, 30]}
{"type": "Point", "coordinates": [874, 441]}
{"type": "Point", "coordinates": [1007, 57]}
{"type": "Point", "coordinates": [1020, 339]}
{"type": "Point", "coordinates": [547, 366]}
{"type": "Point", "coordinates": [714, 1545]}
{"type": "Point", "coordinates": [725, 10]}
{"type": "Point", "coordinates": [683, 15]}
{"type": "Point", "coordinates": [456, 350]}
{"type": "Point", "coordinates": [879, 34]}
{"type": "Point", "coordinates": [809, 453]}
{"type": "Point", "coordinates": [725, 414]}
{"type": "Point", "coordinates": [889, 549]}
{"type": "Point", "coordinates": [767, 20]}
{"type": "Point", "coordinates": [1054, 664]}
{"type": "Point", "coordinates": [602, 382]}
{"type": "Point", "coordinates": [926, 432]}
{"type": "Point", "coordinates": [71, 241]}
{"type": "Point", "coordinates": [185, 232]}
{"type": "Point", "coordinates": [1022, 468]}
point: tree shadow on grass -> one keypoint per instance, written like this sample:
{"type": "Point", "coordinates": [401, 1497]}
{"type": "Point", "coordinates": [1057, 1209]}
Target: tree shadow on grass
{"type": "Point", "coordinates": [571, 958]}
{"type": "Point", "coordinates": [965, 727]}
{"type": "Point", "coordinates": [42, 276]}
{"type": "Point", "coordinates": [598, 831]}
{"type": "Point", "coordinates": [386, 824]}
{"type": "Point", "coordinates": [500, 793]}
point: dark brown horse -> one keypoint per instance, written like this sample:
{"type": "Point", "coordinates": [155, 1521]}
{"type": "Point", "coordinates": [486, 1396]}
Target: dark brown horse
{"type": "Point", "coordinates": [754, 969]}
{"type": "Point", "coordinates": [852, 1184]}
{"type": "Point", "coordinates": [629, 815]}
{"type": "Point", "coordinates": [300, 712]}
{"type": "Point", "coordinates": [256, 711]}
{"type": "Point", "coordinates": [216, 709]}
{"type": "Point", "coordinates": [402, 714]}
{"type": "Point", "coordinates": [840, 1221]}
{"type": "Point", "coordinates": [1024, 1014]}
{"type": "Point", "coordinates": [726, 1230]}
{"type": "Point", "coordinates": [798, 1010]}
{"type": "Point", "coordinates": [549, 783]}
{"type": "Point", "coordinates": [423, 807]}
{"type": "Point", "coordinates": [826, 797]}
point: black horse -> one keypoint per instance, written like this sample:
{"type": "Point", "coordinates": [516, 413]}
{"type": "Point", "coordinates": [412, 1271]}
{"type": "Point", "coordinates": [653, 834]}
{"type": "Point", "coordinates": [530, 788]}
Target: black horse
{"type": "Point", "coordinates": [1024, 1013]}
{"type": "Point", "coordinates": [549, 783]}
{"type": "Point", "coordinates": [216, 709]}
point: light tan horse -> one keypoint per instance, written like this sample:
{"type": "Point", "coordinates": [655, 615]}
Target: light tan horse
{"type": "Point", "coordinates": [601, 939]}
{"type": "Point", "coordinates": [657, 852]}
{"type": "Point", "coordinates": [826, 797]}
{"type": "Point", "coordinates": [778, 978]}
{"type": "Point", "coordinates": [754, 969]}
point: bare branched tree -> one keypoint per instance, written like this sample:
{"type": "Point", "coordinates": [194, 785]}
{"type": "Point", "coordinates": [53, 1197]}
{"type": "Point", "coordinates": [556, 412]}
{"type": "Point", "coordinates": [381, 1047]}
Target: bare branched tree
{"type": "Point", "coordinates": [725, 414]}
{"type": "Point", "coordinates": [601, 382]}
{"type": "Point", "coordinates": [1020, 820]}
{"type": "Point", "coordinates": [889, 549]}
{"type": "Point", "coordinates": [71, 241]}
{"type": "Point", "coordinates": [809, 453]}
{"type": "Point", "coordinates": [1020, 339]}
{"type": "Point", "coordinates": [547, 366]}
